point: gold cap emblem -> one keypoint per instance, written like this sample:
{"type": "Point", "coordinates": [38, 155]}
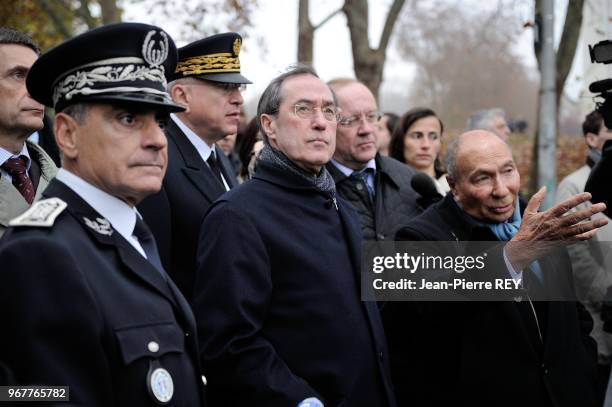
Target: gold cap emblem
{"type": "Point", "coordinates": [237, 45]}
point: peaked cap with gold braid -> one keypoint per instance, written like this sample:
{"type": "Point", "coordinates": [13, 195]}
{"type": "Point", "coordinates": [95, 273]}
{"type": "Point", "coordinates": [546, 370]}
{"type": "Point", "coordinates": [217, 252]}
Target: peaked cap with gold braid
{"type": "Point", "coordinates": [213, 58]}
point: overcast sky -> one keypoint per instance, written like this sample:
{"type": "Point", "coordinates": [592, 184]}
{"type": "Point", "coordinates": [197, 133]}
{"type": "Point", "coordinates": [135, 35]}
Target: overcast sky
{"type": "Point", "coordinates": [276, 22]}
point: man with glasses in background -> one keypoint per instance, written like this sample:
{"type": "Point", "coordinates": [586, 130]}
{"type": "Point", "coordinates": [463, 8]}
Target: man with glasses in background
{"type": "Point", "coordinates": [377, 186]}
{"type": "Point", "coordinates": [277, 297]}
{"type": "Point", "coordinates": [207, 82]}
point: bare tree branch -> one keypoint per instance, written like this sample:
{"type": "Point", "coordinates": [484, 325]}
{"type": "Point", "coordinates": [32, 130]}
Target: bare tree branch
{"type": "Point", "coordinates": [84, 13]}
{"type": "Point", "coordinates": [305, 33]}
{"type": "Point", "coordinates": [394, 11]}
{"type": "Point", "coordinates": [326, 19]}
{"type": "Point", "coordinates": [59, 24]}
{"type": "Point", "coordinates": [110, 11]}
{"type": "Point", "coordinates": [538, 16]}
{"type": "Point", "coordinates": [568, 43]}
{"type": "Point", "coordinates": [356, 12]}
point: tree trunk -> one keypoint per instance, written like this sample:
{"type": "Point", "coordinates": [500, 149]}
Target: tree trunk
{"type": "Point", "coordinates": [368, 62]}
{"type": "Point", "coordinates": [568, 44]}
{"type": "Point", "coordinates": [564, 60]}
{"type": "Point", "coordinates": [60, 25]}
{"type": "Point", "coordinates": [305, 34]}
{"type": "Point", "coordinates": [110, 11]}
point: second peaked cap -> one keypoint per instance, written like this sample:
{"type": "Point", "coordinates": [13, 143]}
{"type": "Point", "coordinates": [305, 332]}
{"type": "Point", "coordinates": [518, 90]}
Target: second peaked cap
{"type": "Point", "coordinates": [214, 58]}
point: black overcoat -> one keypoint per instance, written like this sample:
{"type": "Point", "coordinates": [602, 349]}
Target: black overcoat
{"type": "Point", "coordinates": [79, 308]}
{"type": "Point", "coordinates": [278, 300]}
{"type": "Point", "coordinates": [489, 353]}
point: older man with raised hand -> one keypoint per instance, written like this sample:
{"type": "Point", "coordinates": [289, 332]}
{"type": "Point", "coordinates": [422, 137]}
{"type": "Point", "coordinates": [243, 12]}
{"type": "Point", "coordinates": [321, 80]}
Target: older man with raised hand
{"type": "Point", "coordinates": [207, 82]}
{"type": "Point", "coordinates": [277, 295]}
{"type": "Point", "coordinates": [25, 168]}
{"type": "Point", "coordinates": [523, 352]}
{"type": "Point", "coordinates": [377, 186]}
{"type": "Point", "coordinates": [84, 300]}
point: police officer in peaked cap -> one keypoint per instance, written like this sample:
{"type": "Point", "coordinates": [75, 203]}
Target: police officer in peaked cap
{"type": "Point", "coordinates": [84, 299]}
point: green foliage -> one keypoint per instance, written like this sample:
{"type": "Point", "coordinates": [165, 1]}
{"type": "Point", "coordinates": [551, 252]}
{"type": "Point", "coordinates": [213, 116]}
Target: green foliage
{"type": "Point", "coordinates": [28, 16]}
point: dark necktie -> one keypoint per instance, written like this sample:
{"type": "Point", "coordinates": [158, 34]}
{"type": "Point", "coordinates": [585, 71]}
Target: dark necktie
{"type": "Point", "coordinates": [147, 242]}
{"type": "Point", "coordinates": [16, 167]}
{"type": "Point", "coordinates": [214, 166]}
{"type": "Point", "coordinates": [362, 180]}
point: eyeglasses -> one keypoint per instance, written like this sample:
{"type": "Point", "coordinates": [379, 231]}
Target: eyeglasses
{"type": "Point", "coordinates": [419, 136]}
{"type": "Point", "coordinates": [371, 117]}
{"type": "Point", "coordinates": [228, 87]}
{"type": "Point", "coordinates": [307, 111]}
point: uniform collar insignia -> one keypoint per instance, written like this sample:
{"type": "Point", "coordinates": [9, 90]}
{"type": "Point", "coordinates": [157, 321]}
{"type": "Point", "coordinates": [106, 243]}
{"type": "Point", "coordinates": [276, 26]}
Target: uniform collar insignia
{"type": "Point", "coordinates": [100, 225]}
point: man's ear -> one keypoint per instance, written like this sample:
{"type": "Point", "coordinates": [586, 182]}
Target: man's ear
{"type": "Point", "coordinates": [66, 135]}
{"type": "Point", "coordinates": [591, 140]}
{"type": "Point", "coordinates": [181, 95]}
{"type": "Point", "coordinates": [451, 184]}
{"type": "Point", "coordinates": [268, 125]}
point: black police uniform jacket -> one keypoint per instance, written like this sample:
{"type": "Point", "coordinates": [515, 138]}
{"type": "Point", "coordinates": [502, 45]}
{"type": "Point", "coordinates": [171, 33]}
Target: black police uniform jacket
{"type": "Point", "coordinates": [79, 308]}
{"type": "Point", "coordinates": [481, 354]}
{"type": "Point", "coordinates": [394, 203]}
{"type": "Point", "coordinates": [277, 300]}
{"type": "Point", "coordinates": [176, 212]}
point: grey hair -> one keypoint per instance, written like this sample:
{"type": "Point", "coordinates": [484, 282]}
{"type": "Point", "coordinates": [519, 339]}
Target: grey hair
{"type": "Point", "coordinates": [451, 152]}
{"type": "Point", "coordinates": [482, 119]}
{"type": "Point", "coordinates": [270, 100]}
{"type": "Point", "coordinates": [77, 111]}
{"type": "Point", "coordinates": [179, 81]}
{"type": "Point", "coordinates": [11, 36]}
{"type": "Point", "coordinates": [450, 157]}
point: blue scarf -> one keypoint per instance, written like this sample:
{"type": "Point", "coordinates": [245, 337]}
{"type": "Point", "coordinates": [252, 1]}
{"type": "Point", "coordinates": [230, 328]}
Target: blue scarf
{"type": "Point", "coordinates": [506, 230]}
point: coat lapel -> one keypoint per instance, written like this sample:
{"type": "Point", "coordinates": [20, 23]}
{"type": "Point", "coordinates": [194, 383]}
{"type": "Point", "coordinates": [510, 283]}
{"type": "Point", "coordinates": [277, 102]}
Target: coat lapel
{"type": "Point", "coordinates": [12, 203]}
{"type": "Point", "coordinates": [194, 168]}
{"type": "Point", "coordinates": [107, 236]}
{"type": "Point", "coordinates": [142, 267]}
{"type": "Point", "coordinates": [226, 168]}
{"type": "Point", "coordinates": [352, 234]}
{"type": "Point", "coordinates": [47, 167]}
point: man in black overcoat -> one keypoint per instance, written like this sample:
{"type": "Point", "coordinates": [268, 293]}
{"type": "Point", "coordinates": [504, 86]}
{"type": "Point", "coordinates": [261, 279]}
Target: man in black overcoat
{"type": "Point", "coordinates": [277, 298]}
{"type": "Point", "coordinates": [504, 353]}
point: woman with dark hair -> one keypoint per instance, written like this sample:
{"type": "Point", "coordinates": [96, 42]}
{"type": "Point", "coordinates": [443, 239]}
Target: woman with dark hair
{"type": "Point", "coordinates": [248, 146]}
{"type": "Point", "coordinates": [416, 141]}
{"type": "Point", "coordinates": [386, 124]}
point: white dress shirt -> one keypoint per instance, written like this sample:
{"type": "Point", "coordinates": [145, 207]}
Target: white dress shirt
{"type": "Point", "coordinates": [204, 150]}
{"type": "Point", "coordinates": [118, 213]}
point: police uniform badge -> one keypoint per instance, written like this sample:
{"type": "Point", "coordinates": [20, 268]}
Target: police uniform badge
{"type": "Point", "coordinates": [41, 214]}
{"type": "Point", "coordinates": [160, 384]}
